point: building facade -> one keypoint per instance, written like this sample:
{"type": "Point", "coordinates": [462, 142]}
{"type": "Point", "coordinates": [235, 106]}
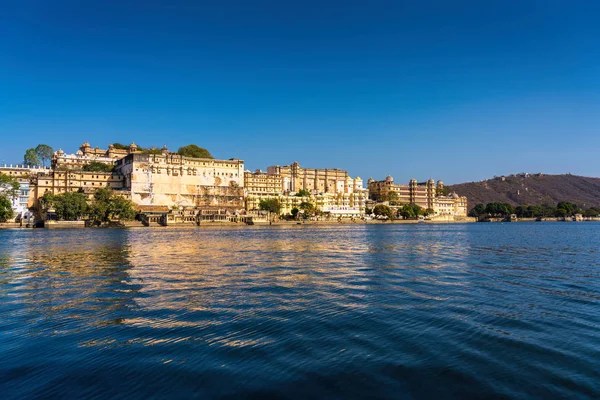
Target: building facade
{"type": "Point", "coordinates": [421, 194]}
{"type": "Point", "coordinates": [262, 183]}
{"type": "Point", "coordinates": [173, 180]}
{"type": "Point", "coordinates": [452, 205]}
{"type": "Point", "coordinates": [86, 154]}
{"type": "Point", "coordinates": [61, 181]}
{"type": "Point", "coordinates": [295, 178]}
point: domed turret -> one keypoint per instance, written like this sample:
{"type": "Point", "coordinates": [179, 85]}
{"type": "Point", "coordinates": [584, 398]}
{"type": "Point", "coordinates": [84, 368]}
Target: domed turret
{"type": "Point", "coordinates": [110, 146]}
{"type": "Point", "coordinates": [79, 153]}
{"type": "Point", "coordinates": [371, 180]}
{"type": "Point", "coordinates": [389, 178]}
{"type": "Point", "coordinates": [85, 147]}
{"type": "Point", "coordinates": [133, 147]}
{"type": "Point", "coordinates": [164, 149]}
{"type": "Point", "coordinates": [59, 152]}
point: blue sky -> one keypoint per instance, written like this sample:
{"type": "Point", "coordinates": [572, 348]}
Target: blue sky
{"type": "Point", "coordinates": [458, 91]}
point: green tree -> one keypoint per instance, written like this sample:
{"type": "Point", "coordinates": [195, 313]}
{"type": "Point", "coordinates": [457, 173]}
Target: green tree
{"type": "Point", "coordinates": [566, 209]}
{"type": "Point", "coordinates": [294, 212]}
{"type": "Point", "coordinates": [271, 205]}
{"type": "Point", "coordinates": [6, 211]}
{"type": "Point", "coordinates": [8, 186]}
{"type": "Point", "coordinates": [383, 211]}
{"type": "Point", "coordinates": [192, 150]}
{"type": "Point", "coordinates": [31, 158]}
{"type": "Point", "coordinates": [302, 193]}
{"type": "Point", "coordinates": [442, 191]}
{"type": "Point", "coordinates": [499, 209]}
{"type": "Point", "coordinates": [68, 206]}
{"type": "Point", "coordinates": [107, 205]}
{"type": "Point", "coordinates": [477, 211]}
{"type": "Point", "coordinates": [411, 211]}
{"type": "Point", "coordinates": [121, 146]}
{"type": "Point", "coordinates": [308, 209]}
{"type": "Point", "coordinates": [44, 153]}
{"type": "Point", "coordinates": [392, 196]}
{"type": "Point", "coordinates": [522, 212]}
{"type": "Point", "coordinates": [96, 166]}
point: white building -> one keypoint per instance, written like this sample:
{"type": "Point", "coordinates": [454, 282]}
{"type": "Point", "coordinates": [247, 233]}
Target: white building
{"type": "Point", "coordinates": [20, 204]}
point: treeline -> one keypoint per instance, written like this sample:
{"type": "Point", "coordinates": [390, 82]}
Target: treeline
{"type": "Point", "coordinates": [561, 210]}
{"type": "Point", "coordinates": [404, 211]}
{"type": "Point", "coordinates": [105, 206]}
{"type": "Point", "coordinates": [42, 154]}
{"type": "Point", "coordinates": [9, 190]}
{"type": "Point", "coordinates": [191, 150]}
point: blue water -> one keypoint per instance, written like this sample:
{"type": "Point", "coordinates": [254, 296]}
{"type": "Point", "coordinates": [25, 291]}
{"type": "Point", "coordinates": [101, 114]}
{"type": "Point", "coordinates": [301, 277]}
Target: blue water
{"type": "Point", "coordinates": [376, 311]}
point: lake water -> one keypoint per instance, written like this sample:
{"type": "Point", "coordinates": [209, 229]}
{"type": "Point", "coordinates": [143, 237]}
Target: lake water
{"type": "Point", "coordinates": [361, 311]}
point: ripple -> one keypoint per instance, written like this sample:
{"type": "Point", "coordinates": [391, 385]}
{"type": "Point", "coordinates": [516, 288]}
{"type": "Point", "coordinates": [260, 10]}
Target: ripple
{"type": "Point", "coordinates": [423, 311]}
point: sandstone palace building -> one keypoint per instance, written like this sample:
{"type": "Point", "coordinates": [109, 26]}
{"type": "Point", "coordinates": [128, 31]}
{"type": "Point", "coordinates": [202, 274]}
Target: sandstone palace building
{"type": "Point", "coordinates": [160, 181]}
{"type": "Point", "coordinates": [169, 179]}
{"type": "Point", "coordinates": [428, 195]}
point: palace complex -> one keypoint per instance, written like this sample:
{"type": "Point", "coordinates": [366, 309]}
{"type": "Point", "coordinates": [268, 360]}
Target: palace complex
{"type": "Point", "coordinates": [427, 195]}
{"type": "Point", "coordinates": [160, 181]}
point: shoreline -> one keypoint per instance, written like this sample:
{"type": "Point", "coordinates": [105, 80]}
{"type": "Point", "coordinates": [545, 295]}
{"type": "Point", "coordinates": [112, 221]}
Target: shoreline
{"type": "Point", "coordinates": [233, 225]}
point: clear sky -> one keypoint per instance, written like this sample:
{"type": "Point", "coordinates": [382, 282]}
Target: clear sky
{"type": "Point", "coordinates": [454, 90]}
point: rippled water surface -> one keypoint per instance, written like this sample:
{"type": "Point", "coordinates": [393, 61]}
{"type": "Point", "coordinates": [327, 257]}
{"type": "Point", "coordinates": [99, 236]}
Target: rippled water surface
{"type": "Point", "coordinates": [377, 311]}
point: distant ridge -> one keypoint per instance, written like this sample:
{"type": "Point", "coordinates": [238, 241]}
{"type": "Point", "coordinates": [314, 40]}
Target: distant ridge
{"type": "Point", "coordinates": [532, 189]}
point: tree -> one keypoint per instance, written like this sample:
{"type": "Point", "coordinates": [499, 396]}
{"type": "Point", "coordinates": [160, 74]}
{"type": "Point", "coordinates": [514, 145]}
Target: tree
{"type": "Point", "coordinates": [96, 166]}
{"type": "Point", "coordinates": [442, 191]}
{"type": "Point", "coordinates": [6, 211]}
{"type": "Point", "coordinates": [499, 209]}
{"type": "Point", "coordinates": [107, 205]}
{"type": "Point", "coordinates": [409, 211]}
{"type": "Point", "coordinates": [68, 206]}
{"type": "Point", "coordinates": [303, 193]}
{"type": "Point", "coordinates": [120, 146]}
{"type": "Point", "coordinates": [392, 196]}
{"type": "Point", "coordinates": [44, 153]}
{"type": "Point", "coordinates": [566, 209]}
{"type": "Point", "coordinates": [8, 186]}
{"type": "Point", "coordinates": [383, 211]}
{"type": "Point", "coordinates": [271, 205]}
{"type": "Point", "coordinates": [191, 150]}
{"type": "Point", "coordinates": [151, 150]}
{"type": "Point", "coordinates": [308, 208]}
{"type": "Point", "coordinates": [523, 212]}
{"type": "Point", "coordinates": [477, 211]}
{"type": "Point", "coordinates": [31, 158]}
{"type": "Point", "coordinates": [294, 212]}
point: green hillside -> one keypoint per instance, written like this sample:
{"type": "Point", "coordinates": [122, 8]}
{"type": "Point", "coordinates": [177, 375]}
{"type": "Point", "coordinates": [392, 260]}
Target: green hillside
{"type": "Point", "coordinates": [532, 189]}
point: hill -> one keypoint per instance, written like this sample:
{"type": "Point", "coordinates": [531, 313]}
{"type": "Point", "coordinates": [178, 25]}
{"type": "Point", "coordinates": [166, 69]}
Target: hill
{"type": "Point", "coordinates": [532, 189]}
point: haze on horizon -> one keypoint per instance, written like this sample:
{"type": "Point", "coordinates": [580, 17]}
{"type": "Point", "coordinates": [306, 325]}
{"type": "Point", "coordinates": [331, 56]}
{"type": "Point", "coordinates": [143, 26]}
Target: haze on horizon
{"type": "Point", "coordinates": [458, 91]}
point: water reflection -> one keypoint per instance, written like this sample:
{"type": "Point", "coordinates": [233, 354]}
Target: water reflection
{"type": "Point", "coordinates": [263, 311]}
